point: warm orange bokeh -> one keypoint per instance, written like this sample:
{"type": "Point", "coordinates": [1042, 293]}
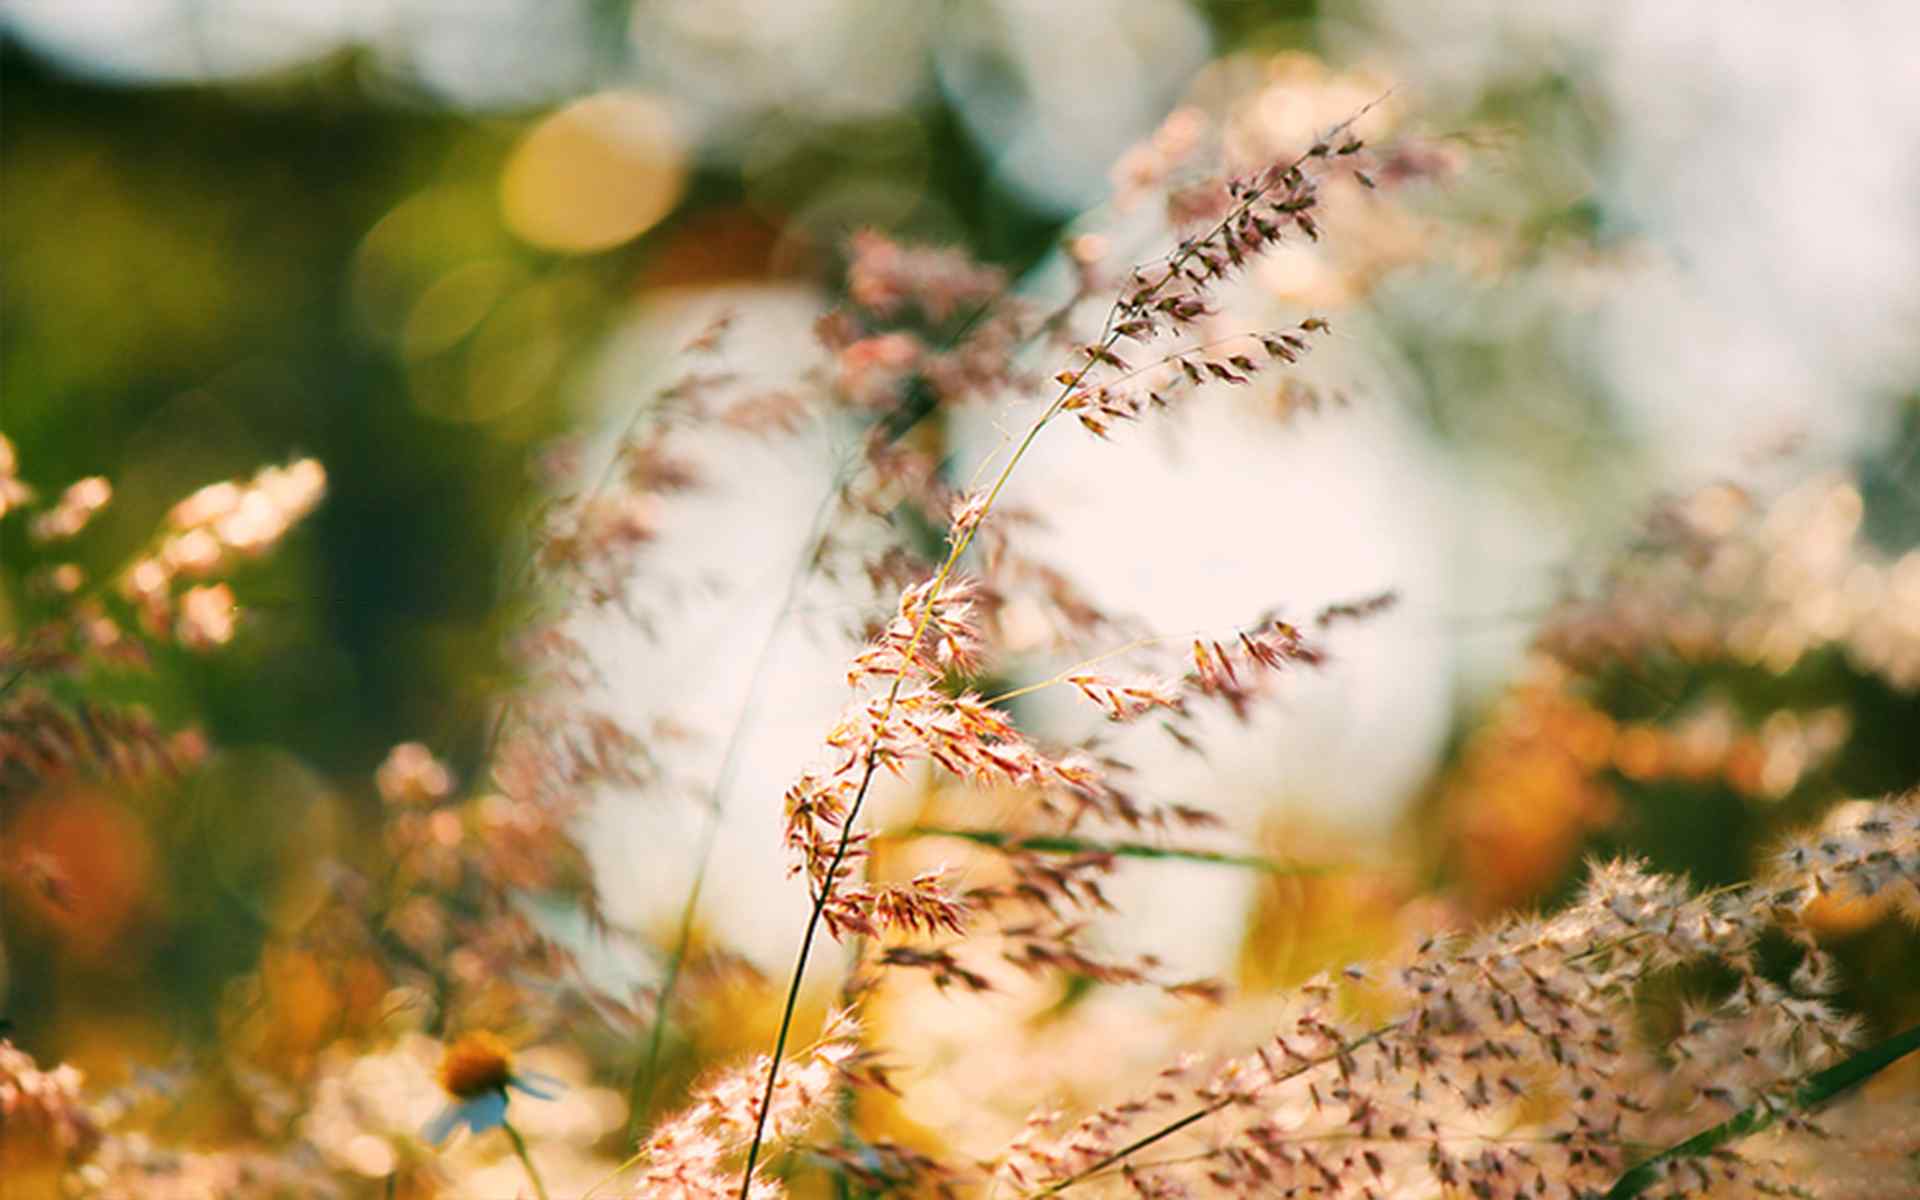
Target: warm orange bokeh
{"type": "Point", "coordinates": [82, 865]}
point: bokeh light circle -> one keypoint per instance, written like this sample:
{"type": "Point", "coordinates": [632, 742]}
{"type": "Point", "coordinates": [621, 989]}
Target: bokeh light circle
{"type": "Point", "coordinates": [599, 172]}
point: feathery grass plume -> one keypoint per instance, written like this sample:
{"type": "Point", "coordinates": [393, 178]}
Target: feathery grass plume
{"type": "Point", "coordinates": [694, 1153]}
{"type": "Point", "coordinates": [1518, 1063]}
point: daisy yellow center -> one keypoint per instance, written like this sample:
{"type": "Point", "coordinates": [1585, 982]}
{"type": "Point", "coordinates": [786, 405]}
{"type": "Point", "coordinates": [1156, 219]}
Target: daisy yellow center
{"type": "Point", "coordinates": [476, 1064]}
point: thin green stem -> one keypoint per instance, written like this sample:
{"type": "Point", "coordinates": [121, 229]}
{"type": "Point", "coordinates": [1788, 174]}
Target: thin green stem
{"type": "Point", "coordinates": [1050, 844]}
{"type": "Point", "coordinates": [640, 1091]}
{"type": "Point", "coordinates": [1207, 1110]}
{"type": "Point", "coordinates": [1086, 664]}
{"type": "Point", "coordinates": [526, 1160]}
{"type": "Point", "coordinates": [1075, 669]}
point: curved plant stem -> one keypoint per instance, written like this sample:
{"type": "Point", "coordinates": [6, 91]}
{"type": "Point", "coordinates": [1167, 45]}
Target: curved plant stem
{"type": "Point", "coordinates": [896, 426]}
{"type": "Point", "coordinates": [959, 547]}
{"type": "Point", "coordinates": [1071, 381]}
{"type": "Point", "coordinates": [1207, 1110]}
{"type": "Point", "coordinates": [640, 1091]}
{"type": "Point", "coordinates": [526, 1160]}
{"type": "Point", "coordinates": [820, 901]}
{"type": "Point", "coordinates": [1047, 844]}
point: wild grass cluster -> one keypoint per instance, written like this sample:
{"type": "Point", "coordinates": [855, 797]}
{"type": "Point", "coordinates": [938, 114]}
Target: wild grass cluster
{"type": "Point", "coordinates": [418, 1029]}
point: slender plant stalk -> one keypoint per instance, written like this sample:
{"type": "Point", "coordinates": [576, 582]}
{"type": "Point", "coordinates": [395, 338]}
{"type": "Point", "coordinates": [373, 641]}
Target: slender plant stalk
{"type": "Point", "coordinates": [1000, 839]}
{"type": "Point", "coordinates": [1207, 1110]}
{"type": "Point", "coordinates": [640, 1092]}
{"type": "Point", "coordinates": [1109, 337]}
{"type": "Point", "coordinates": [526, 1160]}
{"type": "Point", "coordinates": [820, 901]}
{"type": "Point", "coordinates": [641, 1089]}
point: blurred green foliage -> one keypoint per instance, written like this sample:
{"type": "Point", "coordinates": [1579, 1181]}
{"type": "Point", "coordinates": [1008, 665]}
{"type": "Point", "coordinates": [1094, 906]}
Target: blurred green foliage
{"type": "Point", "coordinates": [201, 280]}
